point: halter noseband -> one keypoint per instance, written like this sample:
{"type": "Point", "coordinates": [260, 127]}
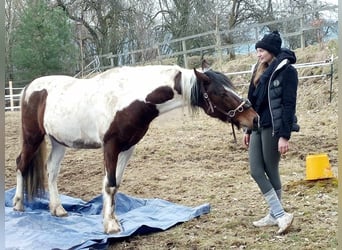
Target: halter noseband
{"type": "Point", "coordinates": [231, 113]}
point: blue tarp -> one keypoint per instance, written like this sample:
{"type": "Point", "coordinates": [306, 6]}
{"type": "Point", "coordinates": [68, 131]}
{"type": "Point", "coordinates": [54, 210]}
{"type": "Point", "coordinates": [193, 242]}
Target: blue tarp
{"type": "Point", "coordinates": [82, 228]}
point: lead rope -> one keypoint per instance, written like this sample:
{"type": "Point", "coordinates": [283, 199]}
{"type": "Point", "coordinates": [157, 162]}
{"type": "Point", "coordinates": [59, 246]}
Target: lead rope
{"type": "Point", "coordinates": [234, 135]}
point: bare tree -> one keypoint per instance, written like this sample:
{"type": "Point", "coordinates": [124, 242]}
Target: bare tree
{"type": "Point", "coordinates": [179, 18]}
{"type": "Point", "coordinates": [141, 33]}
{"type": "Point", "coordinates": [238, 13]}
{"type": "Point", "coordinates": [112, 26]}
{"type": "Point", "coordinates": [13, 11]}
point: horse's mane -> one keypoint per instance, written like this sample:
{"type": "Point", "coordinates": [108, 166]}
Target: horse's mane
{"type": "Point", "coordinates": [190, 91]}
{"type": "Point", "coordinates": [194, 96]}
{"type": "Point", "coordinates": [216, 76]}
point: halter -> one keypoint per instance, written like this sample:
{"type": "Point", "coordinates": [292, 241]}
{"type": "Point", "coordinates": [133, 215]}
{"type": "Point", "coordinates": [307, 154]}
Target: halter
{"type": "Point", "coordinates": [245, 103]}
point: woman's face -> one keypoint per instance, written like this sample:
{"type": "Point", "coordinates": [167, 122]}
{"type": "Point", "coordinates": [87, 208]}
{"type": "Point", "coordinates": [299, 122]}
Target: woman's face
{"type": "Point", "coordinates": [264, 56]}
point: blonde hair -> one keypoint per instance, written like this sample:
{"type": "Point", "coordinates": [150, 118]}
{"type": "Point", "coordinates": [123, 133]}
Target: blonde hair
{"type": "Point", "coordinates": [260, 69]}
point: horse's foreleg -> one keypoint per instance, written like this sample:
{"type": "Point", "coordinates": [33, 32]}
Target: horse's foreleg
{"type": "Point", "coordinates": [110, 222]}
{"type": "Point", "coordinates": [53, 166]}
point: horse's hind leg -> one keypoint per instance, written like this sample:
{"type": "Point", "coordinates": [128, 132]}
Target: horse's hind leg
{"type": "Point", "coordinates": [18, 199]}
{"type": "Point", "coordinates": [110, 222]}
{"type": "Point", "coordinates": [53, 167]}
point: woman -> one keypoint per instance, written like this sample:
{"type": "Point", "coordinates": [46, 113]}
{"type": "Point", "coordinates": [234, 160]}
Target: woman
{"type": "Point", "coordinates": [272, 92]}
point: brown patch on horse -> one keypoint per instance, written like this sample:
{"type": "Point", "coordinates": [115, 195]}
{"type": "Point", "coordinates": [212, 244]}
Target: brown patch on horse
{"type": "Point", "coordinates": [177, 81]}
{"type": "Point", "coordinates": [31, 160]}
{"type": "Point", "coordinates": [127, 129]}
{"type": "Point", "coordinates": [32, 112]}
{"type": "Point", "coordinates": [160, 95]}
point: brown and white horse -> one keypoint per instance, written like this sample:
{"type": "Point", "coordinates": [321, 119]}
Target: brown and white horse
{"type": "Point", "coordinates": [112, 110]}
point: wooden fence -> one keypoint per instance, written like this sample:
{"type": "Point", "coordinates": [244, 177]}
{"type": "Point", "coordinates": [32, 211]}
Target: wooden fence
{"type": "Point", "coordinates": [246, 36]}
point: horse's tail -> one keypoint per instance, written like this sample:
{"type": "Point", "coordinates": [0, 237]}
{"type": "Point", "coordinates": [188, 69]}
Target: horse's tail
{"type": "Point", "coordinates": [34, 178]}
{"type": "Point", "coordinates": [34, 172]}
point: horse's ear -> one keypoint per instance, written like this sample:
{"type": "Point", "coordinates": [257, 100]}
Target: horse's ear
{"type": "Point", "coordinates": [201, 76]}
{"type": "Point", "coordinates": [205, 65]}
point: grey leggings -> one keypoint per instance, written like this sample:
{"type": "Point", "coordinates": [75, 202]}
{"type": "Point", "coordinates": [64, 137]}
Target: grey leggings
{"type": "Point", "coordinates": [264, 159]}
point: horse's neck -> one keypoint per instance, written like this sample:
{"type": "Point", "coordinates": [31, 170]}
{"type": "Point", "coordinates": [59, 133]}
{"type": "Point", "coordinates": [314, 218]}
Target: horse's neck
{"type": "Point", "coordinates": [138, 82]}
{"type": "Point", "coordinates": [175, 103]}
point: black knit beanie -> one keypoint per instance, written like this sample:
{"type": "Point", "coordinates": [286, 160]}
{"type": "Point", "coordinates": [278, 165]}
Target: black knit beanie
{"type": "Point", "coordinates": [270, 42]}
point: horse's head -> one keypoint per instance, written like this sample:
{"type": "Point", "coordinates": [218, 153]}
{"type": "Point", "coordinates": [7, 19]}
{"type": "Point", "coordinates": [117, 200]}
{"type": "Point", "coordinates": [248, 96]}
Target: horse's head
{"type": "Point", "coordinates": [215, 93]}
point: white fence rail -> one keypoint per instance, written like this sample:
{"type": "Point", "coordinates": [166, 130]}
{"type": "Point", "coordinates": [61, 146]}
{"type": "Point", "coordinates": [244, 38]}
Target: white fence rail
{"type": "Point", "coordinates": [12, 99]}
{"type": "Point", "coordinates": [326, 63]}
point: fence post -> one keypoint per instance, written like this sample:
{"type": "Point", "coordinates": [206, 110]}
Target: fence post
{"type": "Point", "coordinates": [218, 43]}
{"type": "Point", "coordinates": [184, 55]}
{"type": "Point", "coordinates": [111, 58]}
{"type": "Point", "coordinates": [302, 41]}
{"type": "Point", "coordinates": [159, 55]}
{"type": "Point", "coordinates": [10, 84]}
{"type": "Point", "coordinates": [331, 75]}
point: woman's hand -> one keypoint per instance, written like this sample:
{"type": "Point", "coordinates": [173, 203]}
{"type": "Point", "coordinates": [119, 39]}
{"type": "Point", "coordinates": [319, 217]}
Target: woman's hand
{"type": "Point", "coordinates": [283, 145]}
{"type": "Point", "coordinates": [246, 138]}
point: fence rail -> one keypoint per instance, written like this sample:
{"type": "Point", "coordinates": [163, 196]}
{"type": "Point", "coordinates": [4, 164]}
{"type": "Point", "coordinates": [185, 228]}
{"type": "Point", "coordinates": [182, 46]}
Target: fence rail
{"type": "Point", "coordinates": [326, 63]}
{"type": "Point", "coordinates": [12, 96]}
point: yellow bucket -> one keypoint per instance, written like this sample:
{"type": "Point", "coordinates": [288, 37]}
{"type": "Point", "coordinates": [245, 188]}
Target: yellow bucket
{"type": "Point", "coordinates": [318, 167]}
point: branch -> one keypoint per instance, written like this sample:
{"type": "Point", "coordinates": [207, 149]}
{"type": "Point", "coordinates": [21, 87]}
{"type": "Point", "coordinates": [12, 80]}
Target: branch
{"type": "Point", "coordinates": [79, 19]}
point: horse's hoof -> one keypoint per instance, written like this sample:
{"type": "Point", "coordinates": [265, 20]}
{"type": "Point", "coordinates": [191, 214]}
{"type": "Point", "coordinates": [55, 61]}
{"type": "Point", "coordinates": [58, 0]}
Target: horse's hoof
{"type": "Point", "coordinates": [111, 227]}
{"type": "Point", "coordinates": [18, 205]}
{"type": "Point", "coordinates": [58, 211]}
{"type": "Point", "coordinates": [19, 208]}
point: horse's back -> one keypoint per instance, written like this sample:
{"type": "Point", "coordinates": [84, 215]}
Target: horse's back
{"type": "Point", "coordinates": [139, 72]}
{"type": "Point", "coordinates": [135, 82]}
{"type": "Point", "coordinates": [48, 83]}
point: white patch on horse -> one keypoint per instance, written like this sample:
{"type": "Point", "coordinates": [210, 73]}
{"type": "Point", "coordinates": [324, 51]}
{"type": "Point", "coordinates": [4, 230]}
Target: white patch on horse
{"type": "Point", "coordinates": [19, 193]}
{"type": "Point", "coordinates": [232, 91]}
{"type": "Point", "coordinates": [123, 158]}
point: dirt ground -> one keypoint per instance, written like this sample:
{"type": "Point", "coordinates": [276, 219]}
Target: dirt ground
{"type": "Point", "coordinates": [193, 160]}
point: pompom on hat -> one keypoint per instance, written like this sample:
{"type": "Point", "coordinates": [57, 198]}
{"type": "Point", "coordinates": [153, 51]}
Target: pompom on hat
{"type": "Point", "coordinates": [270, 42]}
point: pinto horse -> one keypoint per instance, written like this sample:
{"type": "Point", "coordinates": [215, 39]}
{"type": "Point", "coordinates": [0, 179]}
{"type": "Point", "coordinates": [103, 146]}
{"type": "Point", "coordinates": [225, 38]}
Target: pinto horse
{"type": "Point", "coordinates": [111, 111]}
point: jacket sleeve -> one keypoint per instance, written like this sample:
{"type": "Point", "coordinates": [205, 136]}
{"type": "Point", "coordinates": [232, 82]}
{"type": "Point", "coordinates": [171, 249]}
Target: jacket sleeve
{"type": "Point", "coordinates": [289, 99]}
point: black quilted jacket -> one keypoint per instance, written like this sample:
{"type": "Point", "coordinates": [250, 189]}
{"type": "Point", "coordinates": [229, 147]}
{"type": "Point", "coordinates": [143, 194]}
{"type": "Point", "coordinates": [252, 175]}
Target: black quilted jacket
{"type": "Point", "coordinates": [277, 107]}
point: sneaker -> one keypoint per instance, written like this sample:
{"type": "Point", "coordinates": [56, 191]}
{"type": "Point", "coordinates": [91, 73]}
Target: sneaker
{"type": "Point", "coordinates": [268, 220]}
{"type": "Point", "coordinates": [284, 223]}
